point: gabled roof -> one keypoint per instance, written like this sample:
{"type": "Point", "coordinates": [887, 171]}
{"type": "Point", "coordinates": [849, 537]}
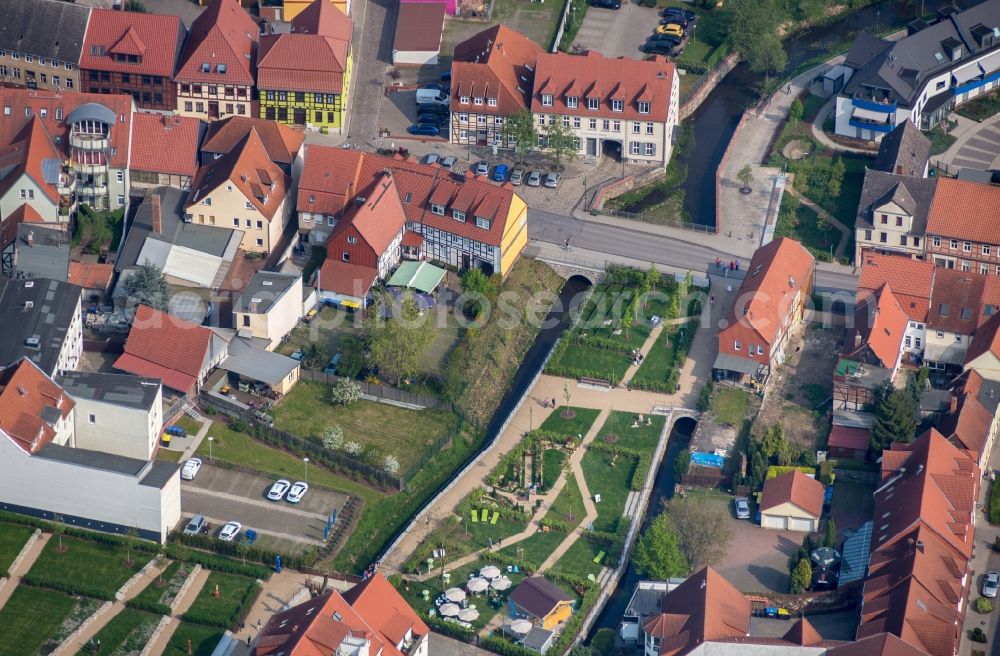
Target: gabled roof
{"type": "Point", "coordinates": [282, 66]}
{"type": "Point", "coordinates": [539, 596]}
{"type": "Point", "coordinates": [904, 151]}
{"type": "Point", "coordinates": [882, 644]}
{"type": "Point", "coordinates": [323, 18]}
{"type": "Point", "coordinates": [44, 28]}
{"type": "Point", "coordinates": [880, 322]}
{"type": "Point", "coordinates": [223, 34]}
{"type": "Point", "coordinates": [165, 144]}
{"type": "Point", "coordinates": [31, 404]}
{"type": "Point", "coordinates": [419, 26]}
{"type": "Point", "coordinates": [91, 275]}
{"type": "Point", "coordinates": [156, 38]}
{"type": "Point", "coordinates": [795, 488]}
{"type": "Point", "coordinates": [968, 427]}
{"type": "Point", "coordinates": [345, 278]}
{"type": "Point", "coordinates": [965, 210]}
{"type": "Point", "coordinates": [878, 188]}
{"type": "Point", "coordinates": [911, 280]}
{"type": "Point", "coordinates": [379, 219]}
{"type": "Point", "coordinates": [280, 141]}
{"type": "Point", "coordinates": [776, 273]}
{"type": "Point", "coordinates": [262, 182]}
{"type": "Point", "coordinates": [24, 213]}
{"type": "Point", "coordinates": [26, 154]}
{"type": "Point", "coordinates": [497, 63]}
{"type": "Point", "coordinates": [986, 339]}
{"type": "Point", "coordinates": [803, 633]}
{"type": "Point", "coordinates": [956, 301]}
{"type": "Point", "coordinates": [385, 610]}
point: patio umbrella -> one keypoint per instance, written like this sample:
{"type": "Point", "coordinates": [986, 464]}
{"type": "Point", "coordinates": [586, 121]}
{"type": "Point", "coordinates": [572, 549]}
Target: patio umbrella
{"type": "Point", "coordinates": [520, 626]}
{"type": "Point", "coordinates": [468, 615]}
{"type": "Point", "coordinates": [489, 572]}
{"type": "Point", "coordinates": [454, 594]}
{"type": "Point", "coordinates": [501, 583]}
{"type": "Point", "coordinates": [825, 556]}
{"type": "Point", "coordinates": [477, 585]}
{"type": "Point", "coordinates": [449, 610]}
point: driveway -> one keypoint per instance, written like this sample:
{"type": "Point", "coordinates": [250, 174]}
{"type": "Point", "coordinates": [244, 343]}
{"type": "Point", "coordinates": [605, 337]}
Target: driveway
{"type": "Point", "coordinates": [617, 32]}
{"type": "Point", "coordinates": [980, 151]}
{"type": "Point", "coordinates": [223, 495]}
{"type": "Point", "coordinates": [758, 557]}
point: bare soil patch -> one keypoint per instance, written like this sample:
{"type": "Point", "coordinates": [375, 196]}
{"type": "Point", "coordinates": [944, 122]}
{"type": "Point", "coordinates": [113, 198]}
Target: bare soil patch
{"type": "Point", "coordinates": [796, 149]}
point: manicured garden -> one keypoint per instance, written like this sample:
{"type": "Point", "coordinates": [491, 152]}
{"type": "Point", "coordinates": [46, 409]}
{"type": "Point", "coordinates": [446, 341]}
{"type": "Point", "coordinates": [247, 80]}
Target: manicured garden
{"type": "Point", "coordinates": [568, 506]}
{"type": "Point", "coordinates": [127, 632]}
{"type": "Point", "coordinates": [625, 430]}
{"type": "Point", "coordinates": [533, 550]}
{"type": "Point", "coordinates": [29, 617]}
{"type": "Point", "coordinates": [981, 108]}
{"type": "Point", "coordinates": [729, 406]}
{"type": "Point", "coordinates": [235, 596]}
{"type": "Point", "coordinates": [12, 540]}
{"type": "Point", "coordinates": [161, 592]}
{"type": "Point", "coordinates": [610, 477]}
{"type": "Point", "coordinates": [578, 423]}
{"type": "Point", "coordinates": [552, 464]}
{"type": "Point", "coordinates": [579, 559]}
{"type": "Point", "coordinates": [202, 640]}
{"type": "Point", "coordinates": [94, 569]}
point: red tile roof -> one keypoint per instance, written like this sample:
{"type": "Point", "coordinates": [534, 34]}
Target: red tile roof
{"type": "Point", "coordinates": [419, 26]}
{"type": "Point", "coordinates": [161, 346]}
{"type": "Point", "coordinates": [379, 219]}
{"type": "Point", "coordinates": [91, 275]}
{"type": "Point", "coordinates": [281, 142]}
{"type": "Point", "coordinates": [412, 239]}
{"type": "Point", "coordinates": [956, 301]}
{"type": "Point", "coordinates": [796, 488]}
{"type": "Point", "coordinates": [880, 322]}
{"type": "Point", "coordinates": [911, 280]}
{"type": "Point", "coordinates": [24, 213]}
{"type": "Point", "coordinates": [965, 210]}
{"type": "Point", "coordinates": [24, 155]}
{"type": "Point", "coordinates": [223, 34]}
{"type": "Point", "coordinates": [495, 63]}
{"type": "Point", "coordinates": [155, 38]}
{"type": "Point", "coordinates": [594, 75]}
{"type": "Point", "coordinates": [847, 437]}
{"type": "Point", "coordinates": [323, 18]}
{"type": "Point", "coordinates": [882, 644]}
{"type": "Point", "coordinates": [776, 273]}
{"type": "Point", "coordinates": [25, 394]}
{"type": "Point", "coordinates": [346, 278]}
{"type": "Point", "coordinates": [803, 633]}
{"type": "Point", "coordinates": [986, 339]}
{"type": "Point", "coordinates": [332, 177]}
{"type": "Point", "coordinates": [968, 427]}
{"type": "Point", "coordinates": [165, 144]}
{"type": "Point", "coordinates": [385, 610]}
{"type": "Point", "coordinates": [321, 30]}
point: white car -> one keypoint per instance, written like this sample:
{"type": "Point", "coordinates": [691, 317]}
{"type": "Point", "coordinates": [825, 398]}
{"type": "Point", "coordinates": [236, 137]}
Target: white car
{"type": "Point", "coordinates": [190, 469]}
{"type": "Point", "coordinates": [551, 180]}
{"type": "Point", "coordinates": [297, 491]}
{"type": "Point", "coordinates": [990, 584]}
{"type": "Point", "coordinates": [278, 490]}
{"type": "Point", "coordinates": [230, 531]}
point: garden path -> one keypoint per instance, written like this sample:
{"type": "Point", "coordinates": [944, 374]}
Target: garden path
{"type": "Point", "coordinates": [821, 136]}
{"type": "Point", "coordinates": [99, 620]}
{"type": "Point", "coordinates": [845, 232]}
{"type": "Point", "coordinates": [183, 604]}
{"type": "Point", "coordinates": [22, 568]}
{"type": "Point", "coordinates": [646, 347]}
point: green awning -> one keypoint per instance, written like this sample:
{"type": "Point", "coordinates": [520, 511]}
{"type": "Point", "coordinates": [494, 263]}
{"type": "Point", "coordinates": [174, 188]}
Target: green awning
{"type": "Point", "coordinates": [421, 276]}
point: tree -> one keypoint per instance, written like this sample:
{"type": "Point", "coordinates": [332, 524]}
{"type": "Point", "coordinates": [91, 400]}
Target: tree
{"type": "Point", "coordinates": [917, 383]}
{"type": "Point", "coordinates": [657, 554]}
{"type": "Point", "coordinates": [345, 392]}
{"type": "Point", "coordinates": [767, 55]}
{"type": "Point", "coordinates": [561, 142]}
{"type": "Point", "coordinates": [131, 535]}
{"type": "Point", "coordinates": [748, 20]}
{"type": "Point", "coordinates": [397, 342]}
{"type": "Point", "coordinates": [58, 528]}
{"type": "Point", "coordinates": [333, 438]}
{"type": "Point", "coordinates": [148, 286]}
{"type": "Point", "coordinates": [801, 577]}
{"type": "Point", "coordinates": [705, 397]}
{"type": "Point", "coordinates": [566, 394]}
{"type": "Point", "coordinates": [836, 178]}
{"type": "Point", "coordinates": [703, 531]}
{"type": "Point", "coordinates": [352, 359]}
{"type": "Point", "coordinates": [745, 176]}
{"type": "Point", "coordinates": [314, 356]}
{"type": "Point", "coordinates": [795, 111]}
{"type": "Point", "coordinates": [773, 443]}
{"type": "Point", "coordinates": [475, 283]}
{"type": "Point", "coordinates": [830, 537]}
{"type": "Point", "coordinates": [390, 464]}
{"type": "Point", "coordinates": [682, 464]}
{"type": "Point", "coordinates": [136, 6]}
{"type": "Point", "coordinates": [895, 420]}
{"type": "Point", "coordinates": [519, 130]}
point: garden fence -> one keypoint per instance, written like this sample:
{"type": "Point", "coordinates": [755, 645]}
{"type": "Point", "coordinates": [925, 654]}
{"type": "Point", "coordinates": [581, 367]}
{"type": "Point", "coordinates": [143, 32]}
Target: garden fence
{"type": "Point", "coordinates": [379, 391]}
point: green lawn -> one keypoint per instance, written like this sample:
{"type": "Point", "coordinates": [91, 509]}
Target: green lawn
{"type": "Point", "coordinates": [552, 463]}
{"type": "Point", "coordinates": [190, 426]}
{"type": "Point", "coordinates": [730, 406]}
{"type": "Point", "coordinates": [658, 365]}
{"type": "Point", "coordinates": [12, 539]}
{"type": "Point", "coordinates": [645, 437]}
{"type": "Point", "coordinates": [568, 506]}
{"type": "Point", "coordinates": [96, 568]}
{"type": "Point", "coordinates": [940, 140]}
{"type": "Point", "coordinates": [29, 617]}
{"type": "Point", "coordinates": [536, 548]}
{"type": "Point", "coordinates": [202, 639]}
{"type": "Point", "coordinates": [611, 482]}
{"type": "Point", "coordinates": [233, 589]}
{"type": "Point", "coordinates": [473, 536]}
{"type": "Point", "coordinates": [597, 363]}
{"type": "Point", "coordinates": [169, 455]}
{"type": "Point", "coordinates": [172, 577]}
{"type": "Point", "coordinates": [579, 559]}
{"type": "Point", "coordinates": [306, 411]}
{"type": "Point", "coordinates": [130, 629]}
{"type": "Point", "coordinates": [799, 222]}
{"type": "Point", "coordinates": [578, 424]}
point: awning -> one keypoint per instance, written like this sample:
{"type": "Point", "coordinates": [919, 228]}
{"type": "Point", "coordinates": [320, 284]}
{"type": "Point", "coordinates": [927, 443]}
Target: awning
{"type": "Point", "coordinates": [990, 63]}
{"type": "Point", "coordinates": [966, 73]}
{"type": "Point", "coordinates": [870, 115]}
{"type": "Point", "coordinates": [421, 276]}
{"type": "Point", "coordinates": [734, 363]}
{"type": "Point", "coordinates": [855, 554]}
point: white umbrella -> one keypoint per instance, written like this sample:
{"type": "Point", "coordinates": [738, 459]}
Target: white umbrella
{"type": "Point", "coordinates": [468, 615]}
{"type": "Point", "coordinates": [449, 610]}
{"type": "Point", "coordinates": [489, 572]}
{"type": "Point", "coordinates": [454, 594]}
{"type": "Point", "coordinates": [520, 626]}
{"type": "Point", "coordinates": [477, 585]}
{"type": "Point", "coordinates": [501, 583]}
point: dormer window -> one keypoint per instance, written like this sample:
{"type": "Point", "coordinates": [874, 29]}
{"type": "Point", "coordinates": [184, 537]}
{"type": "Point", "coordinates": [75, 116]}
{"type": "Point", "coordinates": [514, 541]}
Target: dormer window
{"type": "Point", "coordinates": [477, 101]}
{"type": "Point", "coordinates": [206, 67]}
{"type": "Point", "coordinates": [593, 103]}
{"type": "Point", "coordinates": [437, 209]}
{"type": "Point", "coordinates": [617, 105]}
{"type": "Point", "coordinates": [464, 100]}
{"type": "Point", "coordinates": [482, 222]}
{"type": "Point", "coordinates": [492, 102]}
{"type": "Point", "coordinates": [643, 107]}
{"type": "Point", "coordinates": [571, 102]}
{"type": "Point", "coordinates": [546, 100]}
{"type": "Point", "coordinates": [458, 215]}
{"type": "Point", "coordinates": [220, 69]}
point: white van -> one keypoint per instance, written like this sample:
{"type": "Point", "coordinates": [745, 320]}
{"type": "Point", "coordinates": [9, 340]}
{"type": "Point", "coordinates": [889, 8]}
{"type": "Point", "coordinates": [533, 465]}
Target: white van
{"type": "Point", "coordinates": [432, 96]}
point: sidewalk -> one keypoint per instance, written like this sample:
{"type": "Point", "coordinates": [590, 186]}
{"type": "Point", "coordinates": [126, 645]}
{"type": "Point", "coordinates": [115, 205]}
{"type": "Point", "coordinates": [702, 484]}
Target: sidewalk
{"type": "Point", "coordinates": [984, 559]}
{"type": "Point", "coordinates": [22, 568]}
{"type": "Point", "coordinates": [967, 130]}
{"type": "Point", "coordinates": [183, 604]}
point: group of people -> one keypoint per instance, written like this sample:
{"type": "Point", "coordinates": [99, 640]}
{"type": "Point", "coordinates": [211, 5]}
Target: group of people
{"type": "Point", "coordinates": [734, 265]}
{"type": "Point", "coordinates": [545, 403]}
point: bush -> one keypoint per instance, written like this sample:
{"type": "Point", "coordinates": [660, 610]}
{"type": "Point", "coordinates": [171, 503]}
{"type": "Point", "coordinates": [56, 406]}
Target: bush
{"type": "Point", "coordinates": [450, 629]}
{"type": "Point", "coordinates": [682, 464]}
{"type": "Point", "coordinates": [977, 635]}
{"type": "Point", "coordinates": [504, 647]}
{"type": "Point", "coordinates": [983, 605]}
{"type": "Point", "coordinates": [218, 563]}
{"type": "Point", "coordinates": [801, 576]}
{"type": "Point", "coordinates": [72, 589]}
{"type": "Point", "coordinates": [150, 606]}
{"type": "Point", "coordinates": [705, 397]}
{"type": "Point", "coordinates": [994, 515]}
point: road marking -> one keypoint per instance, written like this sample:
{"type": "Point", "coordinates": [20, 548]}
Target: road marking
{"type": "Point", "coordinates": [269, 505]}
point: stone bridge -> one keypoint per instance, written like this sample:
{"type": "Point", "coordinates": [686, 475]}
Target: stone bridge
{"type": "Point", "coordinates": [592, 272]}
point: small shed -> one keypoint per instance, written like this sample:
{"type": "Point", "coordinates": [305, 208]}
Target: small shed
{"type": "Point", "coordinates": [538, 639]}
{"type": "Point", "coordinates": [419, 28]}
{"type": "Point", "coordinates": [541, 602]}
{"type": "Point", "coordinates": [835, 78]}
{"type": "Point", "coordinates": [792, 502]}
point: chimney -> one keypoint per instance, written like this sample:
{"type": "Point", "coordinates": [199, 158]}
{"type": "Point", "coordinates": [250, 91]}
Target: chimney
{"type": "Point", "coordinates": [157, 215]}
{"type": "Point", "coordinates": [953, 408]}
{"type": "Point", "coordinates": [31, 238]}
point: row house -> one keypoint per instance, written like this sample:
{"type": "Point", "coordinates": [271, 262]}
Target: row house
{"type": "Point", "coordinates": [892, 214]}
{"type": "Point", "coordinates": [164, 150]}
{"type": "Point", "coordinates": [134, 54]}
{"type": "Point", "coordinates": [971, 421]}
{"type": "Point", "coordinates": [911, 282]}
{"type": "Point", "coordinates": [962, 227]}
{"type": "Point", "coordinates": [961, 301]}
{"type": "Point", "coordinates": [217, 72]}
{"type": "Point", "coordinates": [308, 91]}
{"type": "Point", "coordinates": [282, 144]}
{"type": "Point", "coordinates": [41, 42]}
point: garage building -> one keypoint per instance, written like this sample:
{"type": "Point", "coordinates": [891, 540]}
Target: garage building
{"type": "Point", "coordinates": [419, 28]}
{"type": "Point", "coordinates": [792, 502]}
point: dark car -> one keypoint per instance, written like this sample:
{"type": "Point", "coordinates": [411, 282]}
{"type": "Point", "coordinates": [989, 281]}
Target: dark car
{"type": "Point", "coordinates": [675, 18]}
{"type": "Point", "coordinates": [679, 11]}
{"type": "Point", "coordinates": [658, 48]}
{"type": "Point", "coordinates": [434, 119]}
{"type": "Point", "coordinates": [606, 4]}
{"type": "Point", "coordinates": [432, 108]}
{"type": "Point", "coordinates": [661, 39]}
{"type": "Point", "coordinates": [424, 129]}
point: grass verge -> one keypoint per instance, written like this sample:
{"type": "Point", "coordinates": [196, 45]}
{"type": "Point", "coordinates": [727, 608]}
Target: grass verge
{"type": "Point", "coordinates": [29, 617]}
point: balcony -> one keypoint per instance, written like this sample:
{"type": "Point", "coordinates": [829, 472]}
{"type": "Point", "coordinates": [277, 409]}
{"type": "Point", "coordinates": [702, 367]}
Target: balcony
{"type": "Point", "coordinates": [92, 188]}
{"type": "Point", "coordinates": [90, 169]}
{"type": "Point", "coordinates": [89, 142]}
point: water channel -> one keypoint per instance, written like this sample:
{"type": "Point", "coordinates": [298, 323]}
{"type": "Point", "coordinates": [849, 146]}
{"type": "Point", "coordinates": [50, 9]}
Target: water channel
{"type": "Point", "coordinates": [715, 120]}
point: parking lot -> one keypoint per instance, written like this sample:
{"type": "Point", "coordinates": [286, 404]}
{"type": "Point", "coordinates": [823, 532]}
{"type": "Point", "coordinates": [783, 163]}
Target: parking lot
{"type": "Point", "coordinates": [398, 113]}
{"type": "Point", "coordinates": [617, 32]}
{"type": "Point", "coordinates": [223, 495]}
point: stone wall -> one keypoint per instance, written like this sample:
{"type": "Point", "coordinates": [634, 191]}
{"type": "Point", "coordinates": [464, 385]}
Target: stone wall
{"type": "Point", "coordinates": [708, 84]}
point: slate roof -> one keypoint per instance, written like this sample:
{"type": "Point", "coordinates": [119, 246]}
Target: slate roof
{"type": "Point", "coordinates": [49, 255]}
{"type": "Point", "coordinates": [911, 280]}
{"type": "Point", "coordinates": [496, 63]}
{"type": "Point", "coordinates": [965, 210]}
{"type": "Point", "coordinates": [224, 33]}
{"type": "Point", "coordinates": [879, 187]}
{"type": "Point", "coordinates": [166, 144]}
{"type": "Point", "coordinates": [538, 596]}
{"type": "Point", "coordinates": [795, 488]}
{"type": "Point", "coordinates": [155, 38]}
{"type": "Point", "coordinates": [280, 141]}
{"type": "Point", "coordinates": [44, 28]}
{"type": "Point", "coordinates": [419, 26]}
{"type": "Point", "coordinates": [267, 288]}
{"type": "Point", "coordinates": [30, 405]}
{"type": "Point", "coordinates": [904, 151]}
{"type": "Point", "coordinates": [54, 306]}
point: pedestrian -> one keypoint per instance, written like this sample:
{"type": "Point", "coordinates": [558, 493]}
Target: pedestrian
{"type": "Point", "coordinates": [711, 300]}
{"type": "Point", "coordinates": [248, 641]}
{"type": "Point", "coordinates": [258, 624]}
{"type": "Point", "coordinates": [718, 262]}
{"type": "Point", "coordinates": [788, 90]}
{"type": "Point", "coordinates": [553, 401]}
{"type": "Point", "coordinates": [738, 264]}
{"type": "Point", "coordinates": [732, 265]}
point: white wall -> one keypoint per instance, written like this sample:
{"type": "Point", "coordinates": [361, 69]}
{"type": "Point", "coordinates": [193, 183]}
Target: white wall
{"type": "Point", "coordinates": [39, 201]}
{"type": "Point", "coordinates": [125, 431]}
{"type": "Point", "coordinates": [72, 346]}
{"type": "Point", "coordinates": [916, 332]}
{"type": "Point", "coordinates": [415, 57]}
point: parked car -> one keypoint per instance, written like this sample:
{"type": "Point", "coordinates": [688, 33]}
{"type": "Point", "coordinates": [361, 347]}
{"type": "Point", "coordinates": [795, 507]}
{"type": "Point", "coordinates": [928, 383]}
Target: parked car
{"type": "Point", "coordinates": [517, 176]}
{"type": "Point", "coordinates": [675, 18]}
{"type": "Point", "coordinates": [331, 367]}
{"type": "Point", "coordinates": [672, 29]}
{"type": "Point", "coordinates": [430, 158]}
{"type": "Point", "coordinates": [297, 355]}
{"type": "Point", "coordinates": [742, 508]}
{"type": "Point", "coordinates": [482, 167]}
{"type": "Point", "coordinates": [659, 48]}
{"type": "Point", "coordinates": [432, 108]}
{"type": "Point", "coordinates": [664, 38]}
{"type": "Point", "coordinates": [449, 162]}
{"type": "Point", "coordinates": [195, 526]}
{"type": "Point", "coordinates": [423, 129]}
{"type": "Point", "coordinates": [436, 86]}
{"type": "Point", "coordinates": [606, 4]}
{"type": "Point", "coordinates": [297, 491]}
{"type": "Point", "coordinates": [990, 584]}
{"type": "Point", "coordinates": [190, 469]}
{"type": "Point", "coordinates": [500, 172]}
{"type": "Point", "coordinates": [551, 180]}
{"type": "Point", "coordinates": [535, 179]}
{"type": "Point", "coordinates": [680, 11]}
{"type": "Point", "coordinates": [230, 531]}
{"type": "Point", "coordinates": [278, 490]}
{"type": "Point", "coordinates": [432, 119]}
{"type": "Point", "coordinates": [433, 96]}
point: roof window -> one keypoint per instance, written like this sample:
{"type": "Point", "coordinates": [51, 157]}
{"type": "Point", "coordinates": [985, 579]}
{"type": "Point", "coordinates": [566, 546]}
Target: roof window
{"type": "Point", "coordinates": [206, 67]}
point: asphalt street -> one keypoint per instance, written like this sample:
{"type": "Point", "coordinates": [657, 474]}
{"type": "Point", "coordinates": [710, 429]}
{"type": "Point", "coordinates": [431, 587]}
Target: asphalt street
{"type": "Point", "coordinates": [658, 249]}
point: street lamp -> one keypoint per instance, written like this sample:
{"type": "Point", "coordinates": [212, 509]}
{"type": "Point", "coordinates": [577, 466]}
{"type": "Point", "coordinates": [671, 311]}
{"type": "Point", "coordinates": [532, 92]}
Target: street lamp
{"type": "Point", "coordinates": [306, 461]}
{"type": "Point", "coordinates": [210, 440]}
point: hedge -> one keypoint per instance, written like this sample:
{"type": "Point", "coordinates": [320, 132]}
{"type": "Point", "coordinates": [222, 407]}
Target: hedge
{"type": "Point", "coordinates": [234, 618]}
{"type": "Point", "coordinates": [503, 559]}
{"type": "Point", "coordinates": [450, 629]}
{"type": "Point", "coordinates": [694, 67]}
{"type": "Point", "coordinates": [505, 647]}
{"type": "Point", "coordinates": [71, 531]}
{"type": "Point", "coordinates": [72, 589]}
{"type": "Point", "coordinates": [575, 621]}
{"type": "Point", "coordinates": [777, 470]}
{"type": "Point", "coordinates": [641, 470]}
{"type": "Point", "coordinates": [150, 606]}
{"type": "Point", "coordinates": [218, 563]}
{"type": "Point", "coordinates": [253, 554]}
{"type": "Point", "coordinates": [556, 524]}
{"type": "Point", "coordinates": [994, 514]}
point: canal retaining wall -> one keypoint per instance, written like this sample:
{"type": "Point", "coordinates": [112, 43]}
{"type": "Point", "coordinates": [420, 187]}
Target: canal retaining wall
{"type": "Point", "coordinates": [708, 84]}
